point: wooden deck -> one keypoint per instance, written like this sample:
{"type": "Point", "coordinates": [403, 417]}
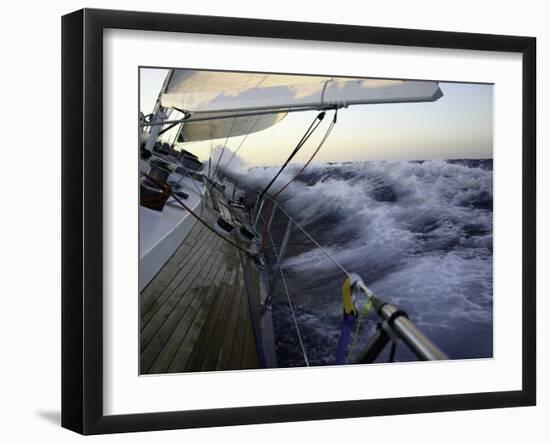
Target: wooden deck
{"type": "Point", "coordinates": [195, 314]}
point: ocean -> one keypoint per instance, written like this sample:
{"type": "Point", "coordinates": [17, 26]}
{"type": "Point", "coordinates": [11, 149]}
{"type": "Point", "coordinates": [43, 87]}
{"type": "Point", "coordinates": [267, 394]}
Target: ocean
{"type": "Point", "coordinates": [420, 235]}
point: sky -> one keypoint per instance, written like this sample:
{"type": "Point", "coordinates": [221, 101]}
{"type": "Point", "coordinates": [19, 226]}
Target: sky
{"type": "Point", "coordinates": [458, 125]}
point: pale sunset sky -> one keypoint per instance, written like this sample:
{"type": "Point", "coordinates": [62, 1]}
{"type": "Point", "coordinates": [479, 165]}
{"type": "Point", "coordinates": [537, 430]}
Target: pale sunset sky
{"type": "Point", "coordinates": [458, 125]}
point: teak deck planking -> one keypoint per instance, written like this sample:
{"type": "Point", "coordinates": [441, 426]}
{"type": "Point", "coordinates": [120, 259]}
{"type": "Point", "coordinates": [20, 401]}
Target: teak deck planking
{"type": "Point", "coordinates": [195, 314]}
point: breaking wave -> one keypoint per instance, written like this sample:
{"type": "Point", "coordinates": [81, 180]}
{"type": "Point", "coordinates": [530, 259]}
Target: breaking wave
{"type": "Point", "coordinates": [419, 234]}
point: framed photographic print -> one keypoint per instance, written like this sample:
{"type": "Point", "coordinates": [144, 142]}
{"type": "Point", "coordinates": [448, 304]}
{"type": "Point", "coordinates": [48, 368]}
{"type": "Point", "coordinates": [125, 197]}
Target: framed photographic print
{"type": "Point", "coordinates": [270, 221]}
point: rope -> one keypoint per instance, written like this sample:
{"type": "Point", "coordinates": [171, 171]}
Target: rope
{"type": "Point", "coordinates": [210, 158]}
{"type": "Point", "coordinates": [314, 125]}
{"type": "Point", "coordinates": [242, 141]}
{"type": "Point", "coordinates": [198, 217]}
{"type": "Point", "coordinates": [332, 259]}
{"type": "Point", "coordinates": [224, 145]}
{"type": "Point", "coordinates": [290, 304]}
{"type": "Point", "coordinates": [167, 128]}
{"type": "Point", "coordinates": [186, 174]}
{"type": "Point", "coordinates": [327, 133]}
{"type": "Point", "coordinates": [269, 210]}
{"type": "Point", "coordinates": [166, 193]}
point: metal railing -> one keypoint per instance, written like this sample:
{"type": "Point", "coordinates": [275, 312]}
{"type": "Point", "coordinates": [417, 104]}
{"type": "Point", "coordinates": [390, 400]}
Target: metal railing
{"type": "Point", "coordinates": [395, 325]}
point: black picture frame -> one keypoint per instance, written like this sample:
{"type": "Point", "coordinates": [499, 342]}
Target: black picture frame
{"type": "Point", "coordinates": [82, 218]}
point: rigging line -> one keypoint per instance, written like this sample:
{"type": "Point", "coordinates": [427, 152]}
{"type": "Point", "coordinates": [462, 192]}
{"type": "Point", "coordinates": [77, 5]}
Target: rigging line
{"type": "Point", "coordinates": [210, 158]}
{"type": "Point", "coordinates": [168, 128]}
{"type": "Point", "coordinates": [186, 174]}
{"type": "Point", "coordinates": [185, 113]}
{"type": "Point", "coordinates": [167, 189]}
{"type": "Point", "coordinates": [242, 141]}
{"type": "Point", "coordinates": [290, 304]}
{"type": "Point", "coordinates": [224, 145]}
{"type": "Point", "coordinates": [330, 257]}
{"type": "Point", "coordinates": [329, 130]}
{"type": "Point", "coordinates": [175, 139]}
{"type": "Point", "coordinates": [314, 125]}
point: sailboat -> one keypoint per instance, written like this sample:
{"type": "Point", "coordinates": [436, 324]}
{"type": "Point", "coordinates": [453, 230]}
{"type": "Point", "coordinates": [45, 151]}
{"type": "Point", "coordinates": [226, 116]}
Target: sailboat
{"type": "Point", "coordinates": [205, 287]}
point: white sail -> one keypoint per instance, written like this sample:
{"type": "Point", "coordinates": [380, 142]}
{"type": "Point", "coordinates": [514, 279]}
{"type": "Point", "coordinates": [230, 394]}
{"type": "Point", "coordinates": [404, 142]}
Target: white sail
{"type": "Point", "coordinates": [214, 127]}
{"type": "Point", "coordinates": [207, 92]}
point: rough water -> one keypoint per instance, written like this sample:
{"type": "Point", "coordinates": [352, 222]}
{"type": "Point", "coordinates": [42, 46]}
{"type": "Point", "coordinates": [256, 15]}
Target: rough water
{"type": "Point", "coordinates": [418, 233]}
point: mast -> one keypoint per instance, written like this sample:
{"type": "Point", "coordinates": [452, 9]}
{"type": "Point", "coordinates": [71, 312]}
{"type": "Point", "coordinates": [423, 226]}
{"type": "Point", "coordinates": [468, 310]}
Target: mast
{"type": "Point", "coordinates": [159, 115]}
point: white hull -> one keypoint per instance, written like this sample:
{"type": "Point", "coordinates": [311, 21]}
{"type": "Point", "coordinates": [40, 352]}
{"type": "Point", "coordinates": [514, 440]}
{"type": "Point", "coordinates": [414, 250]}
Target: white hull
{"type": "Point", "coordinates": [161, 233]}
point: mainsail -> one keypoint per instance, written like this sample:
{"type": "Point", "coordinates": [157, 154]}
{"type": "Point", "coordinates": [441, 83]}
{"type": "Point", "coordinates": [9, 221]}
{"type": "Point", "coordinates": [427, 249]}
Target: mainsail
{"type": "Point", "coordinates": [217, 103]}
{"type": "Point", "coordinates": [221, 125]}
